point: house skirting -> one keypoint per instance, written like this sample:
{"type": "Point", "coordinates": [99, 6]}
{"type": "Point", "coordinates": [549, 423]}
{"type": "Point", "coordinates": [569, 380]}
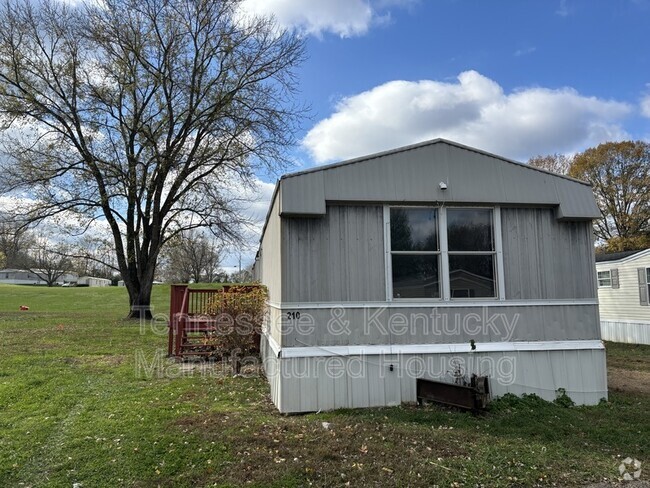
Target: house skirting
{"type": "Point", "coordinates": [304, 380]}
{"type": "Point", "coordinates": [625, 331]}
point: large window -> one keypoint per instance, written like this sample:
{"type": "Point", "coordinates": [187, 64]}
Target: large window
{"type": "Point", "coordinates": [604, 279]}
{"type": "Point", "coordinates": [415, 252]}
{"type": "Point", "coordinates": [470, 240]}
{"type": "Point", "coordinates": [419, 247]}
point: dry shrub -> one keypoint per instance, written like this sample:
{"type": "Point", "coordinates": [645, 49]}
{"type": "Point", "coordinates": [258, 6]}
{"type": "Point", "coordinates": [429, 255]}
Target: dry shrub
{"type": "Point", "coordinates": [240, 311]}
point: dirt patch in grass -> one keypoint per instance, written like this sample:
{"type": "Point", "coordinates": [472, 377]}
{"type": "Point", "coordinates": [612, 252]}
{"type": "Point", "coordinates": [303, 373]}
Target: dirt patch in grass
{"type": "Point", "coordinates": [628, 381]}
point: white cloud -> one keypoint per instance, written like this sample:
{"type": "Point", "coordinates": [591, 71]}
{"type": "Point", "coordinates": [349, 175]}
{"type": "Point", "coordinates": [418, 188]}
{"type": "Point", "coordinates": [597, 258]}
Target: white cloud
{"type": "Point", "coordinates": [475, 111]}
{"type": "Point", "coordinates": [645, 106]}
{"type": "Point", "coordinates": [346, 18]}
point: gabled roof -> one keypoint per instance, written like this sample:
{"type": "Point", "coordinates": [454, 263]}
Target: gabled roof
{"type": "Point", "coordinates": [412, 174]}
{"type": "Point", "coordinates": [418, 145]}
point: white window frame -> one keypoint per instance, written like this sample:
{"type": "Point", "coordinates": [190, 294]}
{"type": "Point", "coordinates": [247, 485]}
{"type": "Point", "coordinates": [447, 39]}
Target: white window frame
{"type": "Point", "coordinates": [499, 273]}
{"type": "Point", "coordinates": [647, 279]}
{"type": "Point", "coordinates": [390, 252]}
{"type": "Point", "coordinates": [609, 278]}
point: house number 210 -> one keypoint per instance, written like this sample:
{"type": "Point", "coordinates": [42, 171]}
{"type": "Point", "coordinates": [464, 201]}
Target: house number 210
{"type": "Point", "coordinates": [293, 315]}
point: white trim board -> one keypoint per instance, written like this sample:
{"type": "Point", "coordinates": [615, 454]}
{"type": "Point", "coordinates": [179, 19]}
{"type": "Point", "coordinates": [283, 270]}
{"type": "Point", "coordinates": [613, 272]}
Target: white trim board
{"type": "Point", "coordinates": [384, 349]}
{"type": "Point", "coordinates": [430, 304]}
{"type": "Point", "coordinates": [273, 344]}
{"type": "Point", "coordinates": [498, 247]}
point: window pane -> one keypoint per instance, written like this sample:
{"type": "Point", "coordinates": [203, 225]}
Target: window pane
{"type": "Point", "coordinates": [471, 276]}
{"type": "Point", "coordinates": [415, 276]}
{"type": "Point", "coordinates": [647, 271]}
{"type": "Point", "coordinates": [414, 229]}
{"type": "Point", "coordinates": [604, 278]}
{"type": "Point", "coordinates": [470, 229]}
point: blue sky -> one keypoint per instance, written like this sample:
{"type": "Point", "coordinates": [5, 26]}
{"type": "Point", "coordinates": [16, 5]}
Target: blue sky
{"type": "Point", "coordinates": [594, 51]}
{"type": "Point", "coordinates": [518, 77]}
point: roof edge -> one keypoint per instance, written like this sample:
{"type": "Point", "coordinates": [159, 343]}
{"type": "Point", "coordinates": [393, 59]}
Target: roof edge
{"type": "Point", "coordinates": [638, 254]}
{"type": "Point", "coordinates": [417, 145]}
{"type": "Point", "coordinates": [422, 144]}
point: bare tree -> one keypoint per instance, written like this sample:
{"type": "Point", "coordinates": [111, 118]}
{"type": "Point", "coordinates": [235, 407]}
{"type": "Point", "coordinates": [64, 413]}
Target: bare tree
{"type": "Point", "coordinates": [48, 262]}
{"type": "Point", "coordinates": [242, 276]}
{"type": "Point", "coordinates": [94, 256]}
{"type": "Point", "coordinates": [555, 163]}
{"type": "Point", "coordinates": [15, 241]}
{"type": "Point", "coordinates": [191, 256]}
{"type": "Point", "coordinates": [147, 114]}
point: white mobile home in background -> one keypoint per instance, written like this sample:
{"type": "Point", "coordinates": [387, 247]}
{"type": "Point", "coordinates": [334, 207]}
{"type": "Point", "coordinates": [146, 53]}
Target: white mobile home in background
{"type": "Point", "coordinates": [429, 261]}
{"type": "Point", "coordinates": [623, 293]}
{"type": "Point", "coordinates": [20, 277]}
{"type": "Point", "coordinates": [32, 277]}
{"type": "Point", "coordinates": [92, 281]}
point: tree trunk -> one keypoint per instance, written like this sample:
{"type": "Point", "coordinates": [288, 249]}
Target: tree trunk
{"type": "Point", "coordinates": [140, 300]}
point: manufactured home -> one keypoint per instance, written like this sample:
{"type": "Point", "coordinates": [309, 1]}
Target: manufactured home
{"type": "Point", "coordinates": [433, 261]}
{"type": "Point", "coordinates": [623, 293]}
{"type": "Point", "coordinates": [20, 277]}
{"type": "Point", "coordinates": [32, 277]}
{"type": "Point", "coordinates": [93, 281]}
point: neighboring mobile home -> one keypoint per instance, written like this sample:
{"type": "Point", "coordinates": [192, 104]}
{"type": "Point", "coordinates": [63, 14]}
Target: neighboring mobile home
{"type": "Point", "coordinates": [20, 277]}
{"type": "Point", "coordinates": [429, 261]}
{"type": "Point", "coordinates": [623, 291]}
{"type": "Point", "coordinates": [32, 277]}
{"type": "Point", "coordinates": [92, 281]}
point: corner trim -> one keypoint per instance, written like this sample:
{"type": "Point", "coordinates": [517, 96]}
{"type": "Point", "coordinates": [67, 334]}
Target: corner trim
{"type": "Point", "coordinates": [273, 344]}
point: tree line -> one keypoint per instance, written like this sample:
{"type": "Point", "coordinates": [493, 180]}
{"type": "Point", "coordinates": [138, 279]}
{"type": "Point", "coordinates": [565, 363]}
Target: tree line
{"type": "Point", "coordinates": [191, 257]}
{"type": "Point", "coordinates": [619, 173]}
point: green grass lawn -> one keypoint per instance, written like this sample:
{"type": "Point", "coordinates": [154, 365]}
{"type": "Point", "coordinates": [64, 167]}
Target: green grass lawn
{"type": "Point", "coordinates": [75, 408]}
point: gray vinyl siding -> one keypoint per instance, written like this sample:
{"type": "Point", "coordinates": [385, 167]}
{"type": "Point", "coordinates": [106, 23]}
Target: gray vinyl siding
{"type": "Point", "coordinates": [450, 325]}
{"type": "Point", "coordinates": [412, 175]}
{"type": "Point", "coordinates": [340, 257]}
{"type": "Point", "coordinates": [545, 258]}
{"type": "Point", "coordinates": [335, 258]}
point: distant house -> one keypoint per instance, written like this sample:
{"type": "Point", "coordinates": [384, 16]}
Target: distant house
{"type": "Point", "coordinates": [92, 281]}
{"type": "Point", "coordinates": [623, 293]}
{"type": "Point", "coordinates": [20, 277]}
{"type": "Point", "coordinates": [70, 278]}
{"type": "Point", "coordinates": [121, 283]}
{"type": "Point", "coordinates": [429, 261]}
{"type": "Point", "coordinates": [32, 277]}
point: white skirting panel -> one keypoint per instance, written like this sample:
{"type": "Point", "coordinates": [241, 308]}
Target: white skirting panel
{"type": "Point", "coordinates": [308, 384]}
{"type": "Point", "coordinates": [271, 368]}
{"type": "Point", "coordinates": [624, 331]}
